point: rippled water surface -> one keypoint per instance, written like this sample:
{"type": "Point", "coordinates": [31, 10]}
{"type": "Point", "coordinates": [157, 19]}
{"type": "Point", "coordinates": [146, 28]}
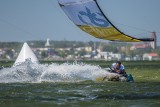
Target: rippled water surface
{"type": "Point", "coordinates": [87, 93]}
{"type": "Point", "coordinates": [74, 85]}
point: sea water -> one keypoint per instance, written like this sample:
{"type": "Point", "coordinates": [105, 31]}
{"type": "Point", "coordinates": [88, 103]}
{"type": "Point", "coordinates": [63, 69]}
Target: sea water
{"type": "Point", "coordinates": [71, 84]}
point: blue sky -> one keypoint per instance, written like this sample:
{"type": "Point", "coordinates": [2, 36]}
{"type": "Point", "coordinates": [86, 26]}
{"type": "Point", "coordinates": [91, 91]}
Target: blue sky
{"type": "Point", "coordinates": [22, 20]}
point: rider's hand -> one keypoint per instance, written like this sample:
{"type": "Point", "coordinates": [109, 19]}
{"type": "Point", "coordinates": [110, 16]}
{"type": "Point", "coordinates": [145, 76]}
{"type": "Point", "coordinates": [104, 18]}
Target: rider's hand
{"type": "Point", "coordinates": [118, 71]}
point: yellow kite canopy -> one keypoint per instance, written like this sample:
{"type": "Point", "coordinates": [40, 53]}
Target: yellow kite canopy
{"type": "Point", "coordinates": [88, 16]}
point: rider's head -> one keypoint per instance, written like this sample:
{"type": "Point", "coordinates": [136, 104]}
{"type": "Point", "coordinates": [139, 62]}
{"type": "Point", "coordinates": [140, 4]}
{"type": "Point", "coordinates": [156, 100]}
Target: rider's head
{"type": "Point", "coordinates": [118, 63]}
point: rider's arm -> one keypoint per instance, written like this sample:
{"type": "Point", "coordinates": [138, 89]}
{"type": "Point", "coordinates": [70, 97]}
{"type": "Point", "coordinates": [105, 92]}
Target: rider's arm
{"type": "Point", "coordinates": [112, 67]}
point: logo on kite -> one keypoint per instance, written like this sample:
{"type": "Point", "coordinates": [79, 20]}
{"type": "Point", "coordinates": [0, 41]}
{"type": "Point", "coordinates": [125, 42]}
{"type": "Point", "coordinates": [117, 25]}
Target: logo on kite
{"type": "Point", "coordinates": [93, 17]}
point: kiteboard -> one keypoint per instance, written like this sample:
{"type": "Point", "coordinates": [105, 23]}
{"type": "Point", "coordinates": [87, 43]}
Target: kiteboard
{"type": "Point", "coordinates": [115, 77]}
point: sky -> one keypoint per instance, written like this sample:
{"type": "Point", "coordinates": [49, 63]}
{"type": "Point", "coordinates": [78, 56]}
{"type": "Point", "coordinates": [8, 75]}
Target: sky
{"type": "Point", "coordinates": [23, 20]}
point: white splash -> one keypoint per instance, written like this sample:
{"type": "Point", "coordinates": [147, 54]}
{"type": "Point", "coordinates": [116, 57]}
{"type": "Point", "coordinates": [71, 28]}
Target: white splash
{"type": "Point", "coordinates": [35, 73]}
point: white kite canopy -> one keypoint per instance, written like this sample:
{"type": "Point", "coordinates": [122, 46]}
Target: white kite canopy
{"type": "Point", "coordinates": [26, 54]}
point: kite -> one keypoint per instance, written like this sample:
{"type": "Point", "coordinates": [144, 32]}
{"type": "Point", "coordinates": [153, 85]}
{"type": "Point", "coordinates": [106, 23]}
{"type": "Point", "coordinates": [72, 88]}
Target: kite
{"type": "Point", "coordinates": [89, 17]}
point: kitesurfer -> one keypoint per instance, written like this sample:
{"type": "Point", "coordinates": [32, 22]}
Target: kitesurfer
{"type": "Point", "coordinates": [118, 68]}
